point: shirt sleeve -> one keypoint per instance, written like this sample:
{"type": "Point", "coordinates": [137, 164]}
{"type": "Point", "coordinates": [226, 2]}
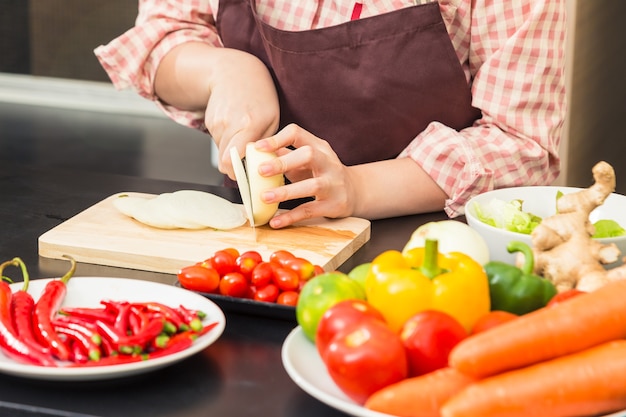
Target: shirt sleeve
{"type": "Point", "coordinates": [516, 61]}
{"type": "Point", "coordinates": [131, 60]}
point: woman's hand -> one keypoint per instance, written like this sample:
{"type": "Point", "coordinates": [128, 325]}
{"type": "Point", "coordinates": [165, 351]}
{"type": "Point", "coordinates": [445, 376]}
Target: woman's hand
{"type": "Point", "coordinates": [389, 188]}
{"type": "Point", "coordinates": [243, 104]}
{"type": "Point", "coordinates": [314, 170]}
{"type": "Point", "coordinates": [232, 87]}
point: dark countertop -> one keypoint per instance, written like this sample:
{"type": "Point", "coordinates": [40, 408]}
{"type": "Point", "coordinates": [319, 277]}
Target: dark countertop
{"type": "Point", "coordinates": [239, 375]}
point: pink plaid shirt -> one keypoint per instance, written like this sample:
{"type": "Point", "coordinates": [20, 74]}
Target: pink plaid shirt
{"type": "Point", "coordinates": [512, 53]}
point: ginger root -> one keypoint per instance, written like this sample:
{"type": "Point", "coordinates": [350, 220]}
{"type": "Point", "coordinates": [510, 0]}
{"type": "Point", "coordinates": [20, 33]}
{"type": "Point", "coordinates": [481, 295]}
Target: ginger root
{"type": "Point", "coordinates": [564, 250]}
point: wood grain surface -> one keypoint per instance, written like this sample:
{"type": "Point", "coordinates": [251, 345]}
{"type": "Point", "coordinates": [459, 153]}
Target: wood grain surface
{"type": "Point", "coordinates": [102, 235]}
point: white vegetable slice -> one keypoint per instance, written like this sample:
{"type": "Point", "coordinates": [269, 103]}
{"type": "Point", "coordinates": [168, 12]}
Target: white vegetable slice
{"type": "Point", "coordinates": [144, 210]}
{"type": "Point", "coordinates": [242, 184]}
{"type": "Point", "coordinates": [208, 209]}
{"type": "Point", "coordinates": [261, 211]}
{"type": "Point", "coordinates": [251, 184]}
{"type": "Point", "coordinates": [127, 204]}
{"type": "Point", "coordinates": [169, 207]}
{"type": "Point", "coordinates": [184, 209]}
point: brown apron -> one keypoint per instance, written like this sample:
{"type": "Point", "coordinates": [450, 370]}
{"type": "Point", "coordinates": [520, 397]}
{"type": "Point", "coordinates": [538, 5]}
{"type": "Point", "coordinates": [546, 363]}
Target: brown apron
{"type": "Point", "coordinates": [367, 86]}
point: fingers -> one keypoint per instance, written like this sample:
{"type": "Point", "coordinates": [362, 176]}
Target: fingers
{"type": "Point", "coordinates": [304, 211]}
{"type": "Point", "coordinates": [291, 136]}
{"type": "Point", "coordinates": [238, 139]}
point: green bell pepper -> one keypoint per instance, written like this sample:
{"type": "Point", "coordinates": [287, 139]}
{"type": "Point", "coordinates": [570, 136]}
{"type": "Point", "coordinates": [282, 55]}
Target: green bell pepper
{"type": "Point", "coordinates": [517, 290]}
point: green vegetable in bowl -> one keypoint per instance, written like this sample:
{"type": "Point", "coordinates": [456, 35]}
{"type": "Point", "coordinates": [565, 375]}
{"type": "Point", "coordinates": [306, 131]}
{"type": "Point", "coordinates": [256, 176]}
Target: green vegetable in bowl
{"type": "Point", "coordinates": [507, 215]}
{"type": "Point", "coordinates": [608, 228]}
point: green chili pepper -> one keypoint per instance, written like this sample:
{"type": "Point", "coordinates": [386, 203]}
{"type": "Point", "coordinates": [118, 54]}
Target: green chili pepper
{"type": "Point", "coordinates": [518, 290]}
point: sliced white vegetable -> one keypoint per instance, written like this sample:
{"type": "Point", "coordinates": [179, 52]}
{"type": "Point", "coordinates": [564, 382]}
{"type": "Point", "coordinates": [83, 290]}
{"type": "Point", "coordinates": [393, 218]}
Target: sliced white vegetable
{"type": "Point", "coordinates": [208, 209]}
{"type": "Point", "coordinates": [184, 209]}
{"type": "Point", "coordinates": [171, 207]}
{"type": "Point", "coordinates": [452, 236]}
{"type": "Point", "coordinates": [242, 184]}
{"type": "Point", "coordinates": [127, 204]}
{"type": "Point", "coordinates": [252, 184]}
{"type": "Point", "coordinates": [143, 210]}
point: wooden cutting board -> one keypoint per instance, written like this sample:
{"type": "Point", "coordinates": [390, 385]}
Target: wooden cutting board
{"type": "Point", "coordinates": [102, 235]}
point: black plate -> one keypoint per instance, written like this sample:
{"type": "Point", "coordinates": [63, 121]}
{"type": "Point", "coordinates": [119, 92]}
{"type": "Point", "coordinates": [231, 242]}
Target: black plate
{"type": "Point", "coordinates": [251, 307]}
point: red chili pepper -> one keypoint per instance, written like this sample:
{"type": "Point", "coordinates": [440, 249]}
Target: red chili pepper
{"type": "Point", "coordinates": [122, 319]}
{"type": "Point", "coordinates": [10, 342]}
{"type": "Point", "coordinates": [208, 328]}
{"type": "Point", "coordinates": [116, 359]}
{"type": "Point", "coordinates": [139, 341]}
{"type": "Point", "coordinates": [107, 348]}
{"type": "Point", "coordinates": [77, 336]}
{"type": "Point", "coordinates": [87, 328]}
{"type": "Point", "coordinates": [77, 353]}
{"type": "Point", "coordinates": [108, 332]}
{"type": "Point", "coordinates": [193, 319]}
{"type": "Point", "coordinates": [47, 307]}
{"type": "Point", "coordinates": [168, 312]}
{"type": "Point", "coordinates": [179, 346]}
{"type": "Point", "coordinates": [172, 347]}
{"type": "Point", "coordinates": [89, 313]}
{"type": "Point", "coordinates": [22, 307]}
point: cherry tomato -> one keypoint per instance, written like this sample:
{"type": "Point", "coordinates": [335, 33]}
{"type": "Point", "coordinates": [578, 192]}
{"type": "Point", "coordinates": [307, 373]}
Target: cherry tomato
{"type": "Point", "coordinates": [262, 274]}
{"type": "Point", "coordinates": [318, 270]}
{"type": "Point", "coordinates": [365, 358]}
{"type": "Point", "coordinates": [428, 338]}
{"type": "Point", "coordinates": [340, 316]}
{"type": "Point", "coordinates": [247, 261]}
{"type": "Point", "coordinates": [563, 296]}
{"type": "Point", "coordinates": [286, 279]}
{"type": "Point", "coordinates": [492, 319]}
{"type": "Point", "coordinates": [232, 251]}
{"type": "Point", "coordinates": [224, 261]}
{"type": "Point", "coordinates": [288, 298]}
{"type": "Point", "coordinates": [269, 293]}
{"type": "Point", "coordinates": [234, 284]}
{"type": "Point", "coordinates": [280, 256]}
{"type": "Point", "coordinates": [303, 267]}
{"type": "Point", "coordinates": [199, 277]}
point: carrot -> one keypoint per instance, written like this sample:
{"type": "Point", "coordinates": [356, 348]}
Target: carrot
{"type": "Point", "coordinates": [589, 382]}
{"type": "Point", "coordinates": [584, 321]}
{"type": "Point", "coordinates": [420, 396]}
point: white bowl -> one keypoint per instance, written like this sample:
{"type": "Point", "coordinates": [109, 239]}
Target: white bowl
{"type": "Point", "coordinates": [541, 201]}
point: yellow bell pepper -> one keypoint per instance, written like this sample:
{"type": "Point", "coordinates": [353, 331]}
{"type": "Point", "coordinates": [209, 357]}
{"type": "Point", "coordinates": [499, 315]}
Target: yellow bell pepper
{"type": "Point", "coordinates": [401, 285]}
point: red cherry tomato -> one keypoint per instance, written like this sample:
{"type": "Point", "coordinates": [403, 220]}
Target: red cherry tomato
{"type": "Point", "coordinates": [492, 319]}
{"type": "Point", "coordinates": [247, 261]}
{"type": "Point", "coordinates": [563, 296]}
{"type": "Point", "coordinates": [224, 261]}
{"type": "Point", "coordinates": [365, 358]}
{"type": "Point", "coordinates": [286, 279]}
{"type": "Point", "coordinates": [234, 284]}
{"type": "Point", "coordinates": [318, 270]}
{"type": "Point", "coordinates": [262, 274]}
{"type": "Point", "coordinates": [288, 298]}
{"type": "Point", "coordinates": [428, 338]}
{"type": "Point", "coordinates": [341, 316]}
{"type": "Point", "coordinates": [268, 294]}
{"type": "Point", "coordinates": [199, 277]}
{"type": "Point", "coordinates": [303, 267]}
{"type": "Point", "coordinates": [280, 257]}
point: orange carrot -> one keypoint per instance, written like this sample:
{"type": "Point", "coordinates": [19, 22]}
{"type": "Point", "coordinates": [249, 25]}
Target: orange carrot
{"type": "Point", "coordinates": [584, 321]}
{"type": "Point", "coordinates": [420, 396]}
{"type": "Point", "coordinates": [589, 382]}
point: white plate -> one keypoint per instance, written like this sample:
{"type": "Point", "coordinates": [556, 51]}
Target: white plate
{"type": "Point", "coordinates": [88, 292]}
{"type": "Point", "coordinates": [305, 367]}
